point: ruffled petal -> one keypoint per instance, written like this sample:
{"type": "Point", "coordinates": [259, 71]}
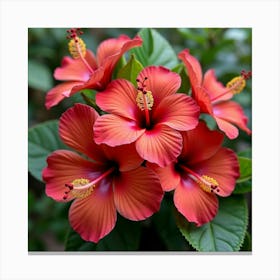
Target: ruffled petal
{"type": "Point", "coordinates": [74, 69]}
{"type": "Point", "coordinates": [195, 204]}
{"type": "Point", "coordinates": [137, 193]}
{"type": "Point", "coordinates": [76, 131]}
{"type": "Point", "coordinates": [200, 143]}
{"type": "Point", "coordinates": [195, 75]}
{"type": "Point", "coordinates": [63, 168]}
{"type": "Point", "coordinates": [178, 111]}
{"type": "Point", "coordinates": [223, 167]}
{"type": "Point", "coordinates": [193, 67]}
{"type": "Point", "coordinates": [59, 92]}
{"type": "Point", "coordinates": [114, 130]}
{"type": "Point", "coordinates": [119, 98]}
{"type": "Point", "coordinates": [161, 82]}
{"type": "Point", "coordinates": [232, 112]}
{"type": "Point", "coordinates": [168, 176]}
{"type": "Point", "coordinates": [214, 88]}
{"type": "Point", "coordinates": [111, 50]}
{"type": "Point", "coordinates": [94, 216]}
{"type": "Point", "coordinates": [160, 145]}
{"type": "Point", "coordinates": [230, 130]}
{"type": "Point", "coordinates": [125, 156]}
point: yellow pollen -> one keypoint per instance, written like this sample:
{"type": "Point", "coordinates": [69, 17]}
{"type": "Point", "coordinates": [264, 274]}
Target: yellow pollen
{"type": "Point", "coordinates": [77, 47]}
{"type": "Point", "coordinates": [80, 188]}
{"type": "Point", "coordinates": [208, 184]}
{"type": "Point", "coordinates": [145, 100]}
{"type": "Point", "coordinates": [236, 85]}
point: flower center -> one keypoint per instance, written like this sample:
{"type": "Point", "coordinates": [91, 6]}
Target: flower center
{"type": "Point", "coordinates": [235, 85]}
{"type": "Point", "coordinates": [77, 46]}
{"type": "Point", "coordinates": [207, 183]}
{"type": "Point", "coordinates": [82, 187]}
{"type": "Point", "coordinates": [144, 100]}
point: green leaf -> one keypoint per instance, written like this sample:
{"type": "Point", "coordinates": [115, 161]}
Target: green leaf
{"type": "Point", "coordinates": [155, 50]}
{"type": "Point", "coordinates": [124, 237]}
{"type": "Point", "coordinates": [243, 187]}
{"type": "Point", "coordinates": [39, 76]}
{"type": "Point", "coordinates": [225, 233]}
{"type": "Point", "coordinates": [245, 165]}
{"type": "Point", "coordinates": [131, 70]}
{"type": "Point", "coordinates": [42, 140]}
{"type": "Point", "coordinates": [247, 244]}
{"type": "Point", "coordinates": [75, 243]}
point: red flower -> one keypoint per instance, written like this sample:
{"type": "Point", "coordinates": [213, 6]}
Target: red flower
{"type": "Point", "coordinates": [106, 181]}
{"type": "Point", "coordinates": [150, 115]}
{"type": "Point", "coordinates": [84, 71]}
{"type": "Point", "coordinates": [214, 99]}
{"type": "Point", "coordinates": [203, 170]}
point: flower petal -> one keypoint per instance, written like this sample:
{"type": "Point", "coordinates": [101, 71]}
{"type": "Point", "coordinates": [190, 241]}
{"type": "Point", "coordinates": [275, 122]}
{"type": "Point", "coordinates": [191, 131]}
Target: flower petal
{"type": "Point", "coordinates": [178, 111]}
{"type": "Point", "coordinates": [168, 176]}
{"type": "Point", "coordinates": [137, 193]}
{"type": "Point", "coordinates": [76, 131]}
{"type": "Point", "coordinates": [119, 98]}
{"type": "Point", "coordinates": [111, 50]}
{"type": "Point", "coordinates": [114, 130]}
{"type": "Point", "coordinates": [200, 143]}
{"type": "Point", "coordinates": [195, 75]}
{"type": "Point", "coordinates": [94, 216]}
{"type": "Point", "coordinates": [125, 156]}
{"type": "Point", "coordinates": [232, 112]}
{"type": "Point", "coordinates": [59, 92]}
{"type": "Point", "coordinates": [213, 87]}
{"type": "Point", "coordinates": [74, 69]}
{"type": "Point", "coordinates": [161, 82]}
{"type": "Point", "coordinates": [63, 168]}
{"type": "Point", "coordinates": [160, 145]}
{"type": "Point", "coordinates": [195, 204]}
{"type": "Point", "coordinates": [223, 167]}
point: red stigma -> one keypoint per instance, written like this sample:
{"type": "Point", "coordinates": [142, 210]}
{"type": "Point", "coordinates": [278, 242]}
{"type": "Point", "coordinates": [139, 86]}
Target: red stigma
{"type": "Point", "coordinates": [73, 33]}
{"type": "Point", "coordinates": [141, 84]}
{"type": "Point", "coordinates": [246, 75]}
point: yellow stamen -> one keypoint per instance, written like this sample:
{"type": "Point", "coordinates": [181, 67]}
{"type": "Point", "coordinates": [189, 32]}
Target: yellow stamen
{"type": "Point", "coordinates": [236, 85]}
{"type": "Point", "coordinates": [145, 101]}
{"type": "Point", "coordinates": [81, 188]}
{"type": "Point", "coordinates": [77, 47]}
{"type": "Point", "coordinates": [208, 184]}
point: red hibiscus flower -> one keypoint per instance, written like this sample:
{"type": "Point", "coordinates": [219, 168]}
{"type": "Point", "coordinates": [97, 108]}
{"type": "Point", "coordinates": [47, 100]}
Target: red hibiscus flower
{"type": "Point", "coordinates": [84, 70]}
{"type": "Point", "coordinates": [107, 180]}
{"type": "Point", "coordinates": [204, 170]}
{"type": "Point", "coordinates": [214, 99]}
{"type": "Point", "coordinates": [151, 115]}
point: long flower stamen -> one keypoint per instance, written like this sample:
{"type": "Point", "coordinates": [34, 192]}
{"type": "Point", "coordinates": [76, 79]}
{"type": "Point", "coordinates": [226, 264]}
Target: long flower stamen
{"type": "Point", "coordinates": [207, 183]}
{"type": "Point", "coordinates": [144, 100]}
{"type": "Point", "coordinates": [77, 46]}
{"type": "Point", "coordinates": [82, 188]}
{"type": "Point", "coordinates": [235, 85]}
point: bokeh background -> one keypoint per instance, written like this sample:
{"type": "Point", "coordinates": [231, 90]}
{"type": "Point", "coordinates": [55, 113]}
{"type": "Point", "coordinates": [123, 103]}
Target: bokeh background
{"type": "Point", "coordinates": [227, 50]}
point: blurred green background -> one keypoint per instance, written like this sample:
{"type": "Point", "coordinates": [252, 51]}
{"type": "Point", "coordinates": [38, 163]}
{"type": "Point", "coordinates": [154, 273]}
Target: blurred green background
{"type": "Point", "coordinates": [227, 50]}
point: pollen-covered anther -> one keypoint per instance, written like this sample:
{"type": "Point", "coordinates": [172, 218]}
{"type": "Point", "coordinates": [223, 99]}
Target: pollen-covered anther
{"type": "Point", "coordinates": [145, 100]}
{"type": "Point", "coordinates": [79, 188]}
{"type": "Point", "coordinates": [208, 184]}
{"type": "Point", "coordinates": [77, 47]}
{"type": "Point", "coordinates": [236, 85]}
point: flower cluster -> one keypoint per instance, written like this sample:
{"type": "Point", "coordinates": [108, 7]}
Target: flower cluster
{"type": "Point", "coordinates": [149, 139]}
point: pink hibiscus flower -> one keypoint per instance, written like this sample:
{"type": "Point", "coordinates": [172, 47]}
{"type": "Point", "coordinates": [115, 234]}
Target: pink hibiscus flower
{"type": "Point", "coordinates": [107, 180]}
{"type": "Point", "coordinates": [214, 98]}
{"type": "Point", "coordinates": [151, 115]}
{"type": "Point", "coordinates": [204, 170]}
{"type": "Point", "coordinates": [84, 70]}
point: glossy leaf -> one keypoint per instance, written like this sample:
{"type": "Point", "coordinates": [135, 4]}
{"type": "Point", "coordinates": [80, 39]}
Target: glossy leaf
{"type": "Point", "coordinates": [42, 140]}
{"type": "Point", "coordinates": [245, 165]}
{"type": "Point", "coordinates": [39, 76]}
{"type": "Point", "coordinates": [225, 233]}
{"type": "Point", "coordinates": [131, 70]}
{"type": "Point", "coordinates": [155, 50]}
